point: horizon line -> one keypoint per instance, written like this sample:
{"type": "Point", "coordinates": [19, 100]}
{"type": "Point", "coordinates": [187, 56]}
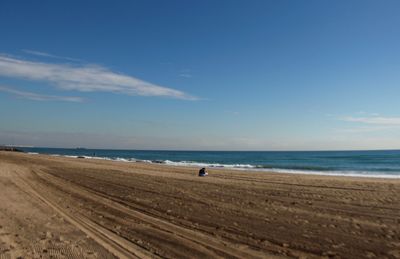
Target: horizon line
{"type": "Point", "coordinates": [202, 150]}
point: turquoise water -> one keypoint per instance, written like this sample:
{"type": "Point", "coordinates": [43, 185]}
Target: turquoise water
{"type": "Point", "coordinates": [352, 163]}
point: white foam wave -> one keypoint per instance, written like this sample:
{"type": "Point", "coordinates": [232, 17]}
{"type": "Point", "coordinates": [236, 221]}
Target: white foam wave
{"type": "Point", "coordinates": [333, 173]}
{"type": "Point", "coordinates": [199, 164]}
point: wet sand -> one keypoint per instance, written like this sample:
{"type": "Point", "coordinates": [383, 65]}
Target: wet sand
{"type": "Point", "coordinates": [55, 207]}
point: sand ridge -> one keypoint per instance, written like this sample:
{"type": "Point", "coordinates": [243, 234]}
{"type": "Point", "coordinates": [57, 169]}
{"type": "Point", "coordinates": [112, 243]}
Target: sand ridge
{"type": "Point", "coordinates": [104, 209]}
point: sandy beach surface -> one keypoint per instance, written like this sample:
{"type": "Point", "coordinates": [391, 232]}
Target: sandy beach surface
{"type": "Point", "coordinates": [57, 207]}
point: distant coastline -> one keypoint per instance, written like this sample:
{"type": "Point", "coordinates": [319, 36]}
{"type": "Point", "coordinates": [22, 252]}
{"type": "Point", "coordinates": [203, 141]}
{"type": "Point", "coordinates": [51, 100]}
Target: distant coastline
{"type": "Point", "coordinates": [10, 148]}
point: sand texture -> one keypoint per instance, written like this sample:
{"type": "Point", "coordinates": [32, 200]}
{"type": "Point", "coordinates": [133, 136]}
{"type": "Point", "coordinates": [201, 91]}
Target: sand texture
{"type": "Point", "coordinates": [56, 207]}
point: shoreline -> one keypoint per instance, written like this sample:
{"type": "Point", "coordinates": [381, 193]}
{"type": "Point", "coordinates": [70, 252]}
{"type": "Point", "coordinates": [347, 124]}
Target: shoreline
{"type": "Point", "coordinates": [245, 168]}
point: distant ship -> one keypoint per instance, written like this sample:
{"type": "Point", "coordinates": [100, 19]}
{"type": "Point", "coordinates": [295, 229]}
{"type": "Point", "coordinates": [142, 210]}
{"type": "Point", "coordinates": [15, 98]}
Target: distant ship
{"type": "Point", "coordinates": [81, 148]}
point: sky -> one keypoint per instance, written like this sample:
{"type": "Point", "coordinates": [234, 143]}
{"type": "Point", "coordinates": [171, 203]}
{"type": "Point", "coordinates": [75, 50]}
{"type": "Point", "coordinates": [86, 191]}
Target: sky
{"type": "Point", "coordinates": [201, 75]}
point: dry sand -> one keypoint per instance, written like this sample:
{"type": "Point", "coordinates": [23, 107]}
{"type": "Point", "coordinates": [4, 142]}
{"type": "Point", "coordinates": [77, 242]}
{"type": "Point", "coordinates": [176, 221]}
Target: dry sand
{"type": "Point", "coordinates": [54, 207]}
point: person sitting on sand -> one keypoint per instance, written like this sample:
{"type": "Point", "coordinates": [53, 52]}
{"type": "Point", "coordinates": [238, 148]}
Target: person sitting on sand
{"type": "Point", "coordinates": [203, 172]}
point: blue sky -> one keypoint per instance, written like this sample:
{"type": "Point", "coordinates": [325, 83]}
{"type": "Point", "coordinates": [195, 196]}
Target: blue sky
{"type": "Point", "coordinates": [201, 75]}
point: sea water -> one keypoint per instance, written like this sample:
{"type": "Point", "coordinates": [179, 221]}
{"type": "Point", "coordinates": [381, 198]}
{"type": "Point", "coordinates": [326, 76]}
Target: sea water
{"type": "Point", "coordinates": [384, 163]}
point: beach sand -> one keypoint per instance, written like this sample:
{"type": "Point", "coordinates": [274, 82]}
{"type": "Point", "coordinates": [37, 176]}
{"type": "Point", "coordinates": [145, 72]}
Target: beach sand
{"type": "Point", "coordinates": [87, 208]}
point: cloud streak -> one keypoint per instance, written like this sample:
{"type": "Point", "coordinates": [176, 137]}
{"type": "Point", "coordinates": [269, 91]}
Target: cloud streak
{"type": "Point", "coordinates": [84, 78]}
{"type": "Point", "coordinates": [39, 97]}
{"type": "Point", "coordinates": [48, 55]}
{"type": "Point", "coordinates": [375, 120]}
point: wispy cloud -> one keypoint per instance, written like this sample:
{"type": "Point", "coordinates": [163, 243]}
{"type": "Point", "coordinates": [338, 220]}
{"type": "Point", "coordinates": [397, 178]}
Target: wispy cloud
{"type": "Point", "coordinates": [375, 120]}
{"type": "Point", "coordinates": [48, 55]}
{"type": "Point", "coordinates": [39, 97]}
{"type": "Point", "coordinates": [185, 75]}
{"type": "Point", "coordinates": [365, 129]}
{"type": "Point", "coordinates": [85, 78]}
{"type": "Point", "coordinates": [370, 123]}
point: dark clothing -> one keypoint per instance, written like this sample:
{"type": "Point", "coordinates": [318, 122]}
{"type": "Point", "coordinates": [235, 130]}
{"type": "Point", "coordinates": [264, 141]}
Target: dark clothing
{"type": "Point", "coordinates": [203, 172]}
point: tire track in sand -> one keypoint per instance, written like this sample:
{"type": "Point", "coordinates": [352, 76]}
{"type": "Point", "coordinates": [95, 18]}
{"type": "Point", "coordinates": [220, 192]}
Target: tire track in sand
{"type": "Point", "coordinates": [199, 240]}
{"type": "Point", "coordinates": [115, 244]}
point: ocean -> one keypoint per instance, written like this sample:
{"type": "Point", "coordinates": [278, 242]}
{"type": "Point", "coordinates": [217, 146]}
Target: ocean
{"type": "Point", "coordinates": [383, 164]}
